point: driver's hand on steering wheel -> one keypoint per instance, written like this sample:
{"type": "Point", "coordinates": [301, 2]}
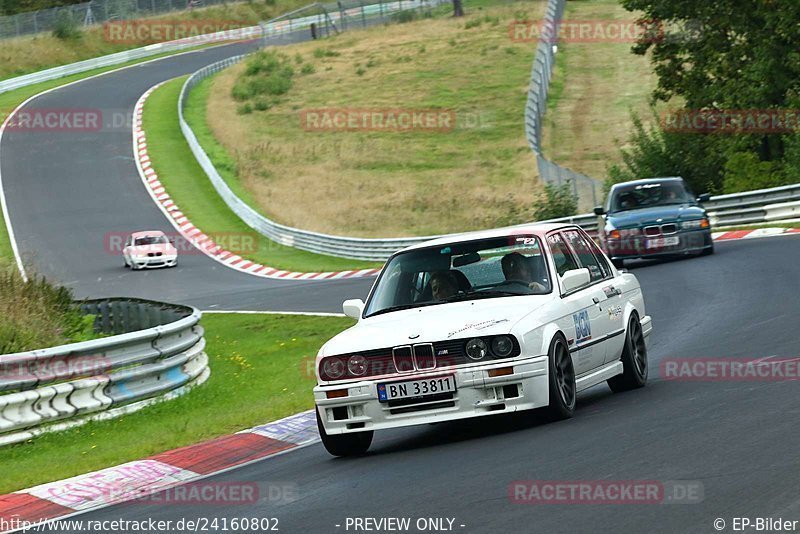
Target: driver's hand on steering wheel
{"type": "Point", "coordinates": [536, 286]}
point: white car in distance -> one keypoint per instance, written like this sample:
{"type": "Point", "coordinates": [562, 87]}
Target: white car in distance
{"type": "Point", "coordinates": [149, 250]}
{"type": "Point", "coordinates": [479, 324]}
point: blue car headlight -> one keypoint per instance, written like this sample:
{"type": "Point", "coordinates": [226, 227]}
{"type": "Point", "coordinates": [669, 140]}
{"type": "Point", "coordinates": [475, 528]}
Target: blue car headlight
{"type": "Point", "coordinates": [696, 224]}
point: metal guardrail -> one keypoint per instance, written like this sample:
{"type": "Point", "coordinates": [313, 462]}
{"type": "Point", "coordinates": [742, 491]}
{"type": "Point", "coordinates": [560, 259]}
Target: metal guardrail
{"type": "Point", "coordinates": [586, 189]}
{"type": "Point", "coordinates": [347, 247]}
{"type": "Point", "coordinates": [253, 32]}
{"type": "Point", "coordinates": [94, 12]}
{"type": "Point", "coordinates": [154, 349]}
{"type": "Point", "coordinates": [340, 16]}
{"type": "Point", "coordinates": [724, 209]}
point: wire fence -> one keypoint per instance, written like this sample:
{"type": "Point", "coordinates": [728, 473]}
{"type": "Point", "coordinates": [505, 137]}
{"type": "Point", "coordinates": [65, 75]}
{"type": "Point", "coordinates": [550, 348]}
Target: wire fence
{"type": "Point", "coordinates": [322, 20]}
{"type": "Point", "coordinates": [587, 190]}
{"type": "Point", "coordinates": [94, 12]}
{"type": "Point", "coordinates": [331, 17]}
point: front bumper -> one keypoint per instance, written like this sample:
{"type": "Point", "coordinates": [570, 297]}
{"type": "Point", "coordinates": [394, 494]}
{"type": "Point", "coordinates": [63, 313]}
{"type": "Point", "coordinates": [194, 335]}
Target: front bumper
{"type": "Point", "coordinates": [691, 241]}
{"type": "Point", "coordinates": [154, 262]}
{"type": "Point", "coordinates": [476, 395]}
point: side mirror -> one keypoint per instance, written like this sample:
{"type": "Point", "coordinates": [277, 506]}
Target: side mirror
{"type": "Point", "coordinates": [598, 210]}
{"type": "Point", "coordinates": [575, 278]}
{"type": "Point", "coordinates": [705, 197]}
{"type": "Point", "coordinates": [353, 308]}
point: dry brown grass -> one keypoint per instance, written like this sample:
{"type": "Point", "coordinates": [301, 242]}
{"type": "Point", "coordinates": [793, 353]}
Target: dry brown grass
{"type": "Point", "coordinates": [382, 183]}
{"type": "Point", "coordinates": [37, 52]}
{"type": "Point", "coordinates": [595, 88]}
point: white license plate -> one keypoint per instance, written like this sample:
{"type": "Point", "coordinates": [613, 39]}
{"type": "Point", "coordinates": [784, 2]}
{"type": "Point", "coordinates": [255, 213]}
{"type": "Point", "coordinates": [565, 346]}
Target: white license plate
{"type": "Point", "coordinates": [661, 242]}
{"type": "Point", "coordinates": [416, 388]}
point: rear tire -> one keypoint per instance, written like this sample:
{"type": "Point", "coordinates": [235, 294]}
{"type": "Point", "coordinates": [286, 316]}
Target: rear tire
{"type": "Point", "coordinates": [561, 381]}
{"type": "Point", "coordinates": [354, 444]}
{"type": "Point", "coordinates": [634, 360]}
{"type": "Point", "coordinates": [618, 263]}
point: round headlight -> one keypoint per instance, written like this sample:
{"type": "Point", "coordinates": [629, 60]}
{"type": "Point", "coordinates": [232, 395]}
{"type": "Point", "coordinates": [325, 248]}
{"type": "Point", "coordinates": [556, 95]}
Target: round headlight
{"type": "Point", "coordinates": [357, 365]}
{"type": "Point", "coordinates": [477, 349]}
{"type": "Point", "coordinates": [333, 368]}
{"type": "Point", "coordinates": [502, 346]}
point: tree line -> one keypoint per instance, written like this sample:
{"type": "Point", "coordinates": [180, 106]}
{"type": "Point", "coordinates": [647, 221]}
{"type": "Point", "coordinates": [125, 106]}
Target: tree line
{"type": "Point", "coordinates": [726, 58]}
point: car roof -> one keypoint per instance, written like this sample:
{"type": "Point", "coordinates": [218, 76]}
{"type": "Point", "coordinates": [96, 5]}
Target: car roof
{"type": "Point", "coordinates": [649, 181]}
{"type": "Point", "coordinates": [537, 229]}
{"type": "Point", "coordinates": [148, 233]}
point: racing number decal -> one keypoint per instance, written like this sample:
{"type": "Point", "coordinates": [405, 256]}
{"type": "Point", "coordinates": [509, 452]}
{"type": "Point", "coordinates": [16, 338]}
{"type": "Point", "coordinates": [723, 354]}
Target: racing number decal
{"type": "Point", "coordinates": [583, 328]}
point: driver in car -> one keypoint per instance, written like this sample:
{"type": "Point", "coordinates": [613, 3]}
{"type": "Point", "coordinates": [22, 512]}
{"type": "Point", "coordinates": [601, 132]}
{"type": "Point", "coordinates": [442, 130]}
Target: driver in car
{"type": "Point", "coordinates": [443, 285]}
{"type": "Point", "coordinates": [517, 268]}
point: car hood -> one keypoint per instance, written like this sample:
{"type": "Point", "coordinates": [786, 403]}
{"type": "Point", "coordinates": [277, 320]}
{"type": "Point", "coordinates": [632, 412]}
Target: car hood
{"type": "Point", "coordinates": [163, 248]}
{"type": "Point", "coordinates": [651, 215]}
{"type": "Point", "coordinates": [435, 323]}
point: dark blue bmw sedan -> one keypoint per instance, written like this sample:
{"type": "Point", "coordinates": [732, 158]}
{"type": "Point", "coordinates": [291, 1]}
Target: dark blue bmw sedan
{"type": "Point", "coordinates": [653, 217]}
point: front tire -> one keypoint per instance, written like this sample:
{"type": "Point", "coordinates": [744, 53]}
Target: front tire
{"type": "Point", "coordinates": [634, 360]}
{"type": "Point", "coordinates": [708, 251]}
{"type": "Point", "coordinates": [561, 381]}
{"type": "Point", "coordinates": [354, 444]}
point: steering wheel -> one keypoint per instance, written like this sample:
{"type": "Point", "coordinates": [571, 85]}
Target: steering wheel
{"type": "Point", "coordinates": [520, 283]}
{"type": "Point", "coordinates": [510, 282]}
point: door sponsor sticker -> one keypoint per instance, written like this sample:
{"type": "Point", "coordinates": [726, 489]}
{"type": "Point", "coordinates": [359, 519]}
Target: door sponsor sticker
{"type": "Point", "coordinates": [583, 328]}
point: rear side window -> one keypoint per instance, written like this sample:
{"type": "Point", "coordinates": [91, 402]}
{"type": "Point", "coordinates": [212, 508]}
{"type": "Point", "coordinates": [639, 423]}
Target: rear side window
{"type": "Point", "coordinates": [562, 256]}
{"type": "Point", "coordinates": [584, 250]}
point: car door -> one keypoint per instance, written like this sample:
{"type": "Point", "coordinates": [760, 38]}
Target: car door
{"type": "Point", "coordinates": [580, 321]}
{"type": "Point", "coordinates": [606, 297]}
{"type": "Point", "coordinates": [612, 287]}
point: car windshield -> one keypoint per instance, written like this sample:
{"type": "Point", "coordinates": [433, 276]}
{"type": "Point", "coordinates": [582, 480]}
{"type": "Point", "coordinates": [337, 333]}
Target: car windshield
{"type": "Point", "coordinates": [631, 197]}
{"type": "Point", "coordinates": [149, 240]}
{"type": "Point", "coordinates": [486, 268]}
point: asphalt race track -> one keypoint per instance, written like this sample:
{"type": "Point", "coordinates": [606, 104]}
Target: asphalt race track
{"type": "Point", "coordinates": [739, 439]}
{"type": "Point", "coordinates": [67, 190]}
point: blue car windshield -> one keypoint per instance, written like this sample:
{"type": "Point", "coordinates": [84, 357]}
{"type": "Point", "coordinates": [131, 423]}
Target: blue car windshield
{"type": "Point", "coordinates": [631, 197]}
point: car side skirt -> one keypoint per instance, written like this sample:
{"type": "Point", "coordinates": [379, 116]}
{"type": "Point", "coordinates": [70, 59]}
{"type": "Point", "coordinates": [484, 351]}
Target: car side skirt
{"type": "Point", "coordinates": [599, 375]}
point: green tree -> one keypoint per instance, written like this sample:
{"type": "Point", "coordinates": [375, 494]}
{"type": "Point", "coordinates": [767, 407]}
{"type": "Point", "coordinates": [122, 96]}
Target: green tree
{"type": "Point", "coordinates": [725, 54]}
{"type": "Point", "coordinates": [652, 152]}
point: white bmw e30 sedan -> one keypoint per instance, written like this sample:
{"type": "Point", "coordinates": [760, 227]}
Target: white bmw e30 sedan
{"type": "Point", "coordinates": [478, 324]}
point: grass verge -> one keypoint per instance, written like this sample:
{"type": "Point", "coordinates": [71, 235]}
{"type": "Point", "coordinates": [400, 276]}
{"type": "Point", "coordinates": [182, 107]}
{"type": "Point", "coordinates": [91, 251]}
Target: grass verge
{"type": "Point", "coordinates": [258, 374]}
{"type": "Point", "coordinates": [192, 191]}
{"type": "Point", "coordinates": [478, 172]}
{"type": "Point", "coordinates": [6, 253]}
